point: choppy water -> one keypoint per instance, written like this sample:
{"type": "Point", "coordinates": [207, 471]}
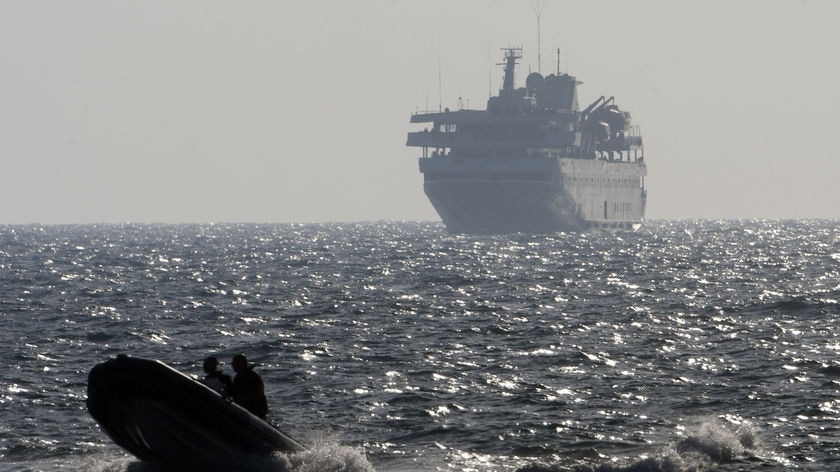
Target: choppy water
{"type": "Point", "coordinates": [687, 346]}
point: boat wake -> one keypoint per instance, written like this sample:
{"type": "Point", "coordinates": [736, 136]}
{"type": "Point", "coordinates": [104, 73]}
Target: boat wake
{"type": "Point", "coordinates": [322, 457]}
{"type": "Point", "coordinates": [325, 454]}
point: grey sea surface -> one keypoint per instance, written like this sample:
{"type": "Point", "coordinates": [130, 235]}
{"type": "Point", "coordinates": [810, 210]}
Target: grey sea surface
{"type": "Point", "coordinates": [685, 346]}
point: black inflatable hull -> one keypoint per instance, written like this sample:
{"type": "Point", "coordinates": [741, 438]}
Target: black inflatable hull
{"type": "Point", "coordinates": [159, 414]}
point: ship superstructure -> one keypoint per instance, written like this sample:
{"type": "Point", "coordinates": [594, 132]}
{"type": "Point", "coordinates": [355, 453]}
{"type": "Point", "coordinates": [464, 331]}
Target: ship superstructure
{"type": "Point", "coordinates": [533, 161]}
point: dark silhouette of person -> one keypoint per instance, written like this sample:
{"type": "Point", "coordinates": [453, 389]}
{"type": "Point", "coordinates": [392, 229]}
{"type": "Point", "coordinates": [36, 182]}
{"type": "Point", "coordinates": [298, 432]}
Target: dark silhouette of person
{"type": "Point", "coordinates": [248, 387]}
{"type": "Point", "coordinates": [215, 379]}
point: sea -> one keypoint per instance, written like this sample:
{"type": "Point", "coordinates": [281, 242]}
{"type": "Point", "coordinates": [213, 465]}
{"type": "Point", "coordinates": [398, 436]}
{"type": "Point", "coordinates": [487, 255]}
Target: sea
{"type": "Point", "coordinates": [697, 345]}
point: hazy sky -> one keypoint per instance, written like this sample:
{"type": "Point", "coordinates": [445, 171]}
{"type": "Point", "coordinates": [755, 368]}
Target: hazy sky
{"type": "Point", "coordinates": [297, 111]}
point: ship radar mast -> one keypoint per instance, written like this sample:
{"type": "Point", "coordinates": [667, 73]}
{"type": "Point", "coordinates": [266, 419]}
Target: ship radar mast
{"type": "Point", "coordinates": [511, 55]}
{"type": "Point", "coordinates": [538, 8]}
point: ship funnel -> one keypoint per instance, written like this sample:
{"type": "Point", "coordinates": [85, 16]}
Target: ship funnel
{"type": "Point", "coordinates": [558, 93]}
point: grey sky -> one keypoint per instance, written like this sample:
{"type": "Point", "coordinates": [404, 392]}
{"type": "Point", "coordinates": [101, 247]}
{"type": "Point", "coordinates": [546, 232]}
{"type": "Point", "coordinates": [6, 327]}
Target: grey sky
{"type": "Point", "coordinates": [296, 111]}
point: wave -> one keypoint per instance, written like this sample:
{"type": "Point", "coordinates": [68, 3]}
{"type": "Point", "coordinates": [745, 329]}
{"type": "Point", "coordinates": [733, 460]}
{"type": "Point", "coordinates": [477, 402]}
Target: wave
{"type": "Point", "coordinates": [816, 304]}
{"type": "Point", "coordinates": [710, 445]}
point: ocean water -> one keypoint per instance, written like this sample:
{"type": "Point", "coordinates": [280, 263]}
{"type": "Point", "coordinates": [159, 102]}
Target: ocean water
{"type": "Point", "coordinates": [685, 346]}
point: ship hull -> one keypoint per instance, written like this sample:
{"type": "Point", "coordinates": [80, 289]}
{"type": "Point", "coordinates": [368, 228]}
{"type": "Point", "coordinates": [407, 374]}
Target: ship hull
{"type": "Point", "coordinates": [476, 207]}
{"type": "Point", "coordinates": [542, 195]}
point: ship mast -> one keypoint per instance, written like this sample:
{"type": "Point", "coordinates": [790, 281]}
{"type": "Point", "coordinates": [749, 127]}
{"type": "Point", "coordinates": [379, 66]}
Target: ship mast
{"type": "Point", "coordinates": [511, 55]}
{"type": "Point", "coordinates": [538, 8]}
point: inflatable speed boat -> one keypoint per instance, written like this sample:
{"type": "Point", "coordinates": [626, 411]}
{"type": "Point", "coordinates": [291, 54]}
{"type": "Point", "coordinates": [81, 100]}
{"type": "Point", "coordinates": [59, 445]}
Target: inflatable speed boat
{"type": "Point", "coordinates": [161, 415]}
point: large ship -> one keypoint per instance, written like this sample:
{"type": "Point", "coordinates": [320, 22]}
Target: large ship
{"type": "Point", "coordinates": [533, 162]}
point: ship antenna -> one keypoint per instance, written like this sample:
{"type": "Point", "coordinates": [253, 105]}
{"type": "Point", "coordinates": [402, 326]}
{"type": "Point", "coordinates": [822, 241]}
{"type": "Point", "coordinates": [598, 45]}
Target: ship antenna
{"type": "Point", "coordinates": [538, 8]}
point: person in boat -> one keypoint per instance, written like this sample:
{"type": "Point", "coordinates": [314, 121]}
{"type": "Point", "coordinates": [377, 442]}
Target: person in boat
{"type": "Point", "coordinates": [248, 387]}
{"type": "Point", "coordinates": [215, 379]}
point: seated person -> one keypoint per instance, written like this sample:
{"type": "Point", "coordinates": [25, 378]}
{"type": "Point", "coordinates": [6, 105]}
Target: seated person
{"type": "Point", "coordinates": [248, 387]}
{"type": "Point", "coordinates": [215, 379]}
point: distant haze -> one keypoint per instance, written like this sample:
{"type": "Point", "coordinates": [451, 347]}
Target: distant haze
{"type": "Point", "coordinates": [297, 111]}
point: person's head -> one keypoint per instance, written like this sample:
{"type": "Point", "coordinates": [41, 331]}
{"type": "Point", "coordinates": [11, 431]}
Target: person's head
{"type": "Point", "coordinates": [240, 363]}
{"type": "Point", "coordinates": [210, 364]}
